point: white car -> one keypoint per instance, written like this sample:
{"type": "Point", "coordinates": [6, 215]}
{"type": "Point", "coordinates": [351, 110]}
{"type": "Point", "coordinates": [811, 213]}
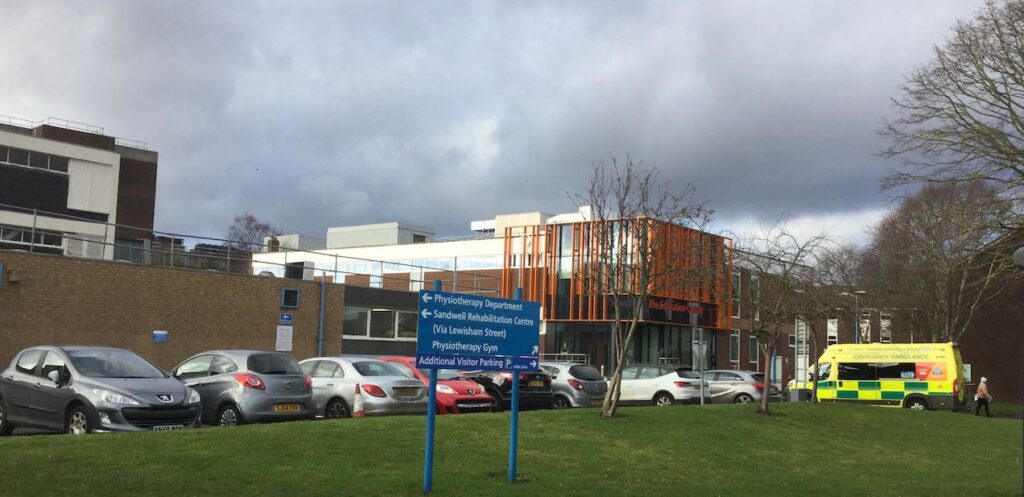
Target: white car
{"type": "Point", "coordinates": [661, 385]}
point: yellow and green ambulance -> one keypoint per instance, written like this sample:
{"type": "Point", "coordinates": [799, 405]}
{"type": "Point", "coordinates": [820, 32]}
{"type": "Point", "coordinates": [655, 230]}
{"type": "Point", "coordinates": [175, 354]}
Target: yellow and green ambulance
{"type": "Point", "coordinates": [912, 375]}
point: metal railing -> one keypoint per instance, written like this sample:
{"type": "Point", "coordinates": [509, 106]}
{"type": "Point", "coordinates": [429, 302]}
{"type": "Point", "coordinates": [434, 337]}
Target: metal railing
{"type": "Point", "coordinates": [583, 359]}
{"type": "Point", "coordinates": [221, 254]}
{"type": "Point", "coordinates": [72, 125]}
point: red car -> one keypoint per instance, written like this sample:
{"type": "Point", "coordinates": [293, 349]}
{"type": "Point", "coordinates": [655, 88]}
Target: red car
{"type": "Point", "coordinates": [455, 394]}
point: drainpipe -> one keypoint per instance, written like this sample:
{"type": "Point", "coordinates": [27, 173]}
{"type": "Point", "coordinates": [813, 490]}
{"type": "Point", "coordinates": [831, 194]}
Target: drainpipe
{"type": "Point", "coordinates": [323, 308]}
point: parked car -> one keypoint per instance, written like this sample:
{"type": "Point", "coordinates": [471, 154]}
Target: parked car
{"type": "Point", "coordinates": [534, 388]}
{"type": "Point", "coordinates": [248, 386]}
{"type": "Point", "coordinates": [80, 390]}
{"type": "Point", "coordinates": [740, 387]}
{"type": "Point", "coordinates": [575, 385]}
{"type": "Point", "coordinates": [383, 387]}
{"type": "Point", "coordinates": [455, 394]}
{"type": "Point", "coordinates": [661, 385]}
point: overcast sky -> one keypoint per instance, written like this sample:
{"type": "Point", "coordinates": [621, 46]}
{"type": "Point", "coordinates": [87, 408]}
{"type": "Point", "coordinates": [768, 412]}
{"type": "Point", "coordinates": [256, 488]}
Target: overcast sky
{"type": "Point", "coordinates": [320, 114]}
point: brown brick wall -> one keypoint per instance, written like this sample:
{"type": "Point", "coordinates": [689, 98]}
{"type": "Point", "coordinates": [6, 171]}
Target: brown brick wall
{"type": "Point", "coordinates": [62, 300]}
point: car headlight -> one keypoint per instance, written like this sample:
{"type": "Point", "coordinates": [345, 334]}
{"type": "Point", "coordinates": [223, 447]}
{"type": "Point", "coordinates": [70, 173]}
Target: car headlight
{"type": "Point", "coordinates": [193, 397]}
{"type": "Point", "coordinates": [114, 398]}
{"type": "Point", "coordinates": [445, 389]}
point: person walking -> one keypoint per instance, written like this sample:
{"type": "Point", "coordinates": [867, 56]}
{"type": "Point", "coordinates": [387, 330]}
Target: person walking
{"type": "Point", "coordinates": [981, 397]}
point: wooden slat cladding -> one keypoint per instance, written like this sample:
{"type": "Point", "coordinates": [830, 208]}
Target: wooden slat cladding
{"type": "Point", "coordinates": [687, 265]}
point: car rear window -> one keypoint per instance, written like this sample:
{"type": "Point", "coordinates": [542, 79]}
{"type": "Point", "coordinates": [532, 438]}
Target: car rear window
{"type": "Point", "coordinates": [585, 373]}
{"type": "Point", "coordinates": [684, 373]}
{"type": "Point", "coordinates": [377, 368]}
{"type": "Point", "coordinates": [273, 364]}
{"type": "Point", "coordinates": [758, 377]}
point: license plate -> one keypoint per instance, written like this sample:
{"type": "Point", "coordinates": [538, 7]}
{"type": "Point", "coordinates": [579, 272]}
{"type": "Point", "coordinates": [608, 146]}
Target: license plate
{"type": "Point", "coordinates": [537, 384]}
{"type": "Point", "coordinates": [287, 408]}
{"type": "Point", "coordinates": [168, 428]}
{"type": "Point", "coordinates": [406, 391]}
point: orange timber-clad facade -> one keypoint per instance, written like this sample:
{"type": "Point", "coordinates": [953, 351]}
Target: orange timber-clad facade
{"type": "Point", "coordinates": [555, 265]}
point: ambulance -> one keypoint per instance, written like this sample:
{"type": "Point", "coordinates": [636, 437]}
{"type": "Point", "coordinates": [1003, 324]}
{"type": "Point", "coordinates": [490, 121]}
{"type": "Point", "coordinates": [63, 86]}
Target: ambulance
{"type": "Point", "coordinates": [911, 375]}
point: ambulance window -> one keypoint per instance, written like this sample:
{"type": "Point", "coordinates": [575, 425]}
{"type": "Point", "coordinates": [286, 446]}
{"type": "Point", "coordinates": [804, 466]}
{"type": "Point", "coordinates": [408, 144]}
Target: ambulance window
{"type": "Point", "coordinates": [857, 371]}
{"type": "Point", "coordinates": [903, 370]}
{"type": "Point", "coordinates": [824, 371]}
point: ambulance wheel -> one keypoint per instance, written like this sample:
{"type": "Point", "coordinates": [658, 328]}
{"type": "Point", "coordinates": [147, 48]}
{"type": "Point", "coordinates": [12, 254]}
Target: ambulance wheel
{"type": "Point", "coordinates": [917, 404]}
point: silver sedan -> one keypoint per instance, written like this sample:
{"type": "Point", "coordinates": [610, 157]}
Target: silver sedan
{"type": "Point", "coordinates": [737, 386]}
{"type": "Point", "coordinates": [384, 389]}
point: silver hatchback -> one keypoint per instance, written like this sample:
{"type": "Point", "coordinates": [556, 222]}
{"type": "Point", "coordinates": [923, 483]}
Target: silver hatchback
{"type": "Point", "coordinates": [736, 386]}
{"type": "Point", "coordinates": [575, 385]}
{"type": "Point", "coordinates": [383, 388]}
{"type": "Point", "coordinates": [248, 386]}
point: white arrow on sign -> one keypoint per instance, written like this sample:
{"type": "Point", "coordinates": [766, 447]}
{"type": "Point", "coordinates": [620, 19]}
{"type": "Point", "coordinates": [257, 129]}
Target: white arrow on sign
{"type": "Point", "coordinates": [535, 348]}
{"type": "Point", "coordinates": [533, 364]}
{"type": "Point", "coordinates": [427, 297]}
{"type": "Point", "coordinates": [425, 314]}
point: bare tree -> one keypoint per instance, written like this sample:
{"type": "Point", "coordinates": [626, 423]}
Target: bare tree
{"type": "Point", "coordinates": [940, 253]}
{"type": "Point", "coordinates": [790, 286]}
{"type": "Point", "coordinates": [961, 115]}
{"type": "Point", "coordinates": [247, 232]}
{"type": "Point", "coordinates": [635, 253]}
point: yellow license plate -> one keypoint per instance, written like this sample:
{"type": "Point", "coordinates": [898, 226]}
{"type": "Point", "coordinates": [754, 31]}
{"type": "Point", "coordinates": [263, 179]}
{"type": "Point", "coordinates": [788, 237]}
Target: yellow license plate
{"type": "Point", "coordinates": [537, 384]}
{"type": "Point", "coordinates": [287, 408]}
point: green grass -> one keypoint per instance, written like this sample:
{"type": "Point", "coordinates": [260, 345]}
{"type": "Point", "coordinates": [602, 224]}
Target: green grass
{"type": "Point", "coordinates": [681, 450]}
{"type": "Point", "coordinates": [1005, 410]}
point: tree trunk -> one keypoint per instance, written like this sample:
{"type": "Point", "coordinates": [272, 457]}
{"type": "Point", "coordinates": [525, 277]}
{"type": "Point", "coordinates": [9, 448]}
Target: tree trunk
{"type": "Point", "coordinates": [763, 408]}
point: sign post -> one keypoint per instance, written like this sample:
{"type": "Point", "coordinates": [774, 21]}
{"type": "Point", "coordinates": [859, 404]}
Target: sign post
{"type": "Point", "coordinates": [469, 332]}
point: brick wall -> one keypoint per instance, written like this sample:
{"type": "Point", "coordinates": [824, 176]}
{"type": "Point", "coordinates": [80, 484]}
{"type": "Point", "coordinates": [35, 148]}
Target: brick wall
{"type": "Point", "coordinates": [63, 300]}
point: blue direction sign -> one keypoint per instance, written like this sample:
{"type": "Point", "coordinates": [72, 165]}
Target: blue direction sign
{"type": "Point", "coordinates": [458, 331]}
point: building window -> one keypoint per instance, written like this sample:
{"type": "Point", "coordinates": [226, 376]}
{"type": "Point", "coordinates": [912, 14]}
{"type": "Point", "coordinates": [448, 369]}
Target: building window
{"type": "Point", "coordinates": [27, 237]}
{"type": "Point", "coordinates": [406, 325]}
{"type": "Point", "coordinates": [865, 327]}
{"type": "Point", "coordinates": [36, 160]}
{"type": "Point", "coordinates": [754, 354]}
{"type": "Point", "coordinates": [290, 298]}
{"type": "Point", "coordinates": [130, 250]}
{"type": "Point", "coordinates": [734, 349]}
{"type": "Point", "coordinates": [885, 328]}
{"type": "Point", "coordinates": [419, 239]}
{"type": "Point", "coordinates": [355, 322]}
{"type": "Point", "coordinates": [382, 323]}
{"type": "Point", "coordinates": [832, 331]}
{"type": "Point", "coordinates": [755, 297]}
{"type": "Point", "coordinates": [736, 293]}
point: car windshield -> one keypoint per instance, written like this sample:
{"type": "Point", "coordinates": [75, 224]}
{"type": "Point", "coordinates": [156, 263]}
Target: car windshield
{"type": "Point", "coordinates": [588, 373]}
{"type": "Point", "coordinates": [377, 368]}
{"type": "Point", "coordinates": [272, 364]}
{"type": "Point", "coordinates": [686, 373]}
{"type": "Point", "coordinates": [113, 364]}
{"type": "Point", "coordinates": [824, 370]}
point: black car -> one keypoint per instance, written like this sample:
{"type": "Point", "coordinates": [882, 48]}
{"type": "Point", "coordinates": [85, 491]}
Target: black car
{"type": "Point", "coordinates": [80, 390]}
{"type": "Point", "coordinates": [534, 388]}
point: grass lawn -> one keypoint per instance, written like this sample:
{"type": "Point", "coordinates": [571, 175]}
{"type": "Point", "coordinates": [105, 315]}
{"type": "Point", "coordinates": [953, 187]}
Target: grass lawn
{"type": "Point", "coordinates": [680, 450]}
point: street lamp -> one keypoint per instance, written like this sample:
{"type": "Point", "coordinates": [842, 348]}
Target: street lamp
{"type": "Point", "coordinates": [856, 312]}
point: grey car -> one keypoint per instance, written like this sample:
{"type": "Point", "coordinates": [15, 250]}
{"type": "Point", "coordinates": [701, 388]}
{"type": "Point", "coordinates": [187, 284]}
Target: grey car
{"type": "Point", "coordinates": [736, 386]}
{"type": "Point", "coordinates": [248, 386]}
{"type": "Point", "coordinates": [81, 390]}
{"type": "Point", "coordinates": [384, 389]}
{"type": "Point", "coordinates": [575, 385]}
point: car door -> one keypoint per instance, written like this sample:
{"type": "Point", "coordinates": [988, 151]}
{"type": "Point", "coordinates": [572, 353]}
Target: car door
{"type": "Point", "coordinates": [50, 399]}
{"type": "Point", "coordinates": [726, 386]}
{"type": "Point", "coordinates": [325, 380]}
{"type": "Point", "coordinates": [631, 389]}
{"type": "Point", "coordinates": [195, 373]}
{"type": "Point", "coordinates": [649, 381]}
{"type": "Point", "coordinates": [219, 383]}
{"type": "Point", "coordinates": [19, 384]}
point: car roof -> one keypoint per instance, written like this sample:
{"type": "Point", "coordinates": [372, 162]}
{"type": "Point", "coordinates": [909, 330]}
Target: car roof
{"type": "Point", "coordinates": [74, 348]}
{"type": "Point", "coordinates": [562, 364]}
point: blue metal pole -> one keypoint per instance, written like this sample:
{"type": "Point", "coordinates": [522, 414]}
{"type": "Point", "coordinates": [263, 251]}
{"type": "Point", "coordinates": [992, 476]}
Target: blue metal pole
{"type": "Point", "coordinates": [428, 460]}
{"type": "Point", "coordinates": [513, 439]}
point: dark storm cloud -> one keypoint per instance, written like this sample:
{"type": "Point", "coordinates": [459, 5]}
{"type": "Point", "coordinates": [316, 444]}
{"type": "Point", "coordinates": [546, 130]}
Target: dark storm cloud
{"type": "Point", "coordinates": [321, 114]}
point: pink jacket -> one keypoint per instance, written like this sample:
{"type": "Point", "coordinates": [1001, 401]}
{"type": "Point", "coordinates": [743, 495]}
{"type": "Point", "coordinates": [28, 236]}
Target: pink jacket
{"type": "Point", "coordinates": [982, 392]}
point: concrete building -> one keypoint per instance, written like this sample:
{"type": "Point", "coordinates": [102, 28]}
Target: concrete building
{"type": "Point", "coordinates": [66, 188]}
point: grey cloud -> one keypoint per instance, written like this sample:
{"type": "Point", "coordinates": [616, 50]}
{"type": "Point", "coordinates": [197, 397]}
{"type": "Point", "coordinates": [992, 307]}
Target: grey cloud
{"type": "Point", "coordinates": [318, 114]}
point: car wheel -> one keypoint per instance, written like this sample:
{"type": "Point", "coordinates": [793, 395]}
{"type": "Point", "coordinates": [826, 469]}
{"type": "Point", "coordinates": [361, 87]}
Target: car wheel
{"type": "Point", "coordinates": [229, 416]}
{"type": "Point", "coordinates": [743, 399]}
{"type": "Point", "coordinates": [78, 421]}
{"type": "Point", "coordinates": [561, 403]}
{"type": "Point", "coordinates": [917, 404]}
{"type": "Point", "coordinates": [498, 403]}
{"type": "Point", "coordinates": [336, 409]}
{"type": "Point", "coordinates": [663, 399]}
{"type": "Point", "coordinates": [5, 427]}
